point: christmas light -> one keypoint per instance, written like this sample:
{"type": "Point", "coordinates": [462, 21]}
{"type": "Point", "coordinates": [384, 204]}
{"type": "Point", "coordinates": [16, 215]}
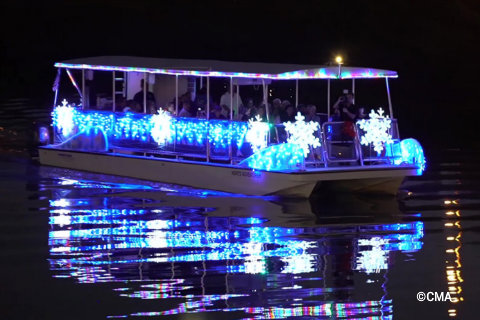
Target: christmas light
{"type": "Point", "coordinates": [63, 118]}
{"type": "Point", "coordinates": [412, 152]}
{"type": "Point", "coordinates": [277, 157]}
{"type": "Point", "coordinates": [376, 130]}
{"type": "Point", "coordinates": [303, 133]}
{"type": "Point", "coordinates": [408, 151]}
{"type": "Point", "coordinates": [314, 73]}
{"type": "Point", "coordinates": [257, 133]}
{"type": "Point", "coordinates": [162, 129]}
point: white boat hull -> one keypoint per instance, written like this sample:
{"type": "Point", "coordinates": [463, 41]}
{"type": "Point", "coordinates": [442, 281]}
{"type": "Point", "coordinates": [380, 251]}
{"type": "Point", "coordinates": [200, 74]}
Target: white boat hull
{"type": "Point", "coordinates": [214, 176]}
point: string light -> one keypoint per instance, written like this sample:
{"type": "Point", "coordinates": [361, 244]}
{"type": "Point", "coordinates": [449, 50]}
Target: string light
{"type": "Point", "coordinates": [302, 133]}
{"type": "Point", "coordinates": [257, 133]}
{"type": "Point", "coordinates": [376, 130]}
{"type": "Point", "coordinates": [277, 157]}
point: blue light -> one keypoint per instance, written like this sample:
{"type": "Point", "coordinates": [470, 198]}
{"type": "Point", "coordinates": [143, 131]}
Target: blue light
{"type": "Point", "coordinates": [283, 156]}
{"type": "Point", "coordinates": [140, 129]}
{"type": "Point", "coordinates": [408, 151]}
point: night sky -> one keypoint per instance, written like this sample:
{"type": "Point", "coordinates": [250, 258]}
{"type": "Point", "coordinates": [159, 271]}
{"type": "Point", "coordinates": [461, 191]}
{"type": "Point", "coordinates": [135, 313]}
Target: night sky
{"type": "Point", "coordinates": [434, 46]}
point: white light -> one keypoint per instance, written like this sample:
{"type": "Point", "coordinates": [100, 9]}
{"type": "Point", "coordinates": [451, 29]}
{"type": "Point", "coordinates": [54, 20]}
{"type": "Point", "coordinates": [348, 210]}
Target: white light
{"type": "Point", "coordinates": [257, 134]}
{"type": "Point", "coordinates": [162, 129]}
{"type": "Point", "coordinates": [302, 133]}
{"type": "Point", "coordinates": [376, 130]}
{"type": "Point", "coordinates": [63, 118]}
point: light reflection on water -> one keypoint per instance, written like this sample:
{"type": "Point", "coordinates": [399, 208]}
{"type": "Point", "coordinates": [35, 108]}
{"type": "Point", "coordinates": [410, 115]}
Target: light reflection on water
{"type": "Point", "coordinates": [203, 263]}
{"type": "Point", "coordinates": [345, 261]}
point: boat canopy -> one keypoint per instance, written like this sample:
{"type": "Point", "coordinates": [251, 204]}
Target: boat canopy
{"type": "Point", "coordinates": [217, 68]}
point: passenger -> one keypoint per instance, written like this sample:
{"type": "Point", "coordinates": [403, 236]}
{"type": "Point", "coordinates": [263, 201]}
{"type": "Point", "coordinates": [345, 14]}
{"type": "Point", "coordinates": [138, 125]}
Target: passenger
{"type": "Point", "coordinates": [170, 107]}
{"type": "Point", "coordinates": [346, 110]}
{"type": "Point", "coordinates": [241, 113]}
{"type": "Point", "coordinates": [226, 112]}
{"type": "Point", "coordinates": [225, 99]}
{"type": "Point", "coordinates": [201, 99]}
{"type": "Point", "coordinates": [187, 110]}
{"type": "Point", "coordinates": [283, 111]}
{"type": "Point", "coordinates": [250, 112]}
{"type": "Point", "coordinates": [138, 97]}
{"type": "Point", "coordinates": [151, 108]}
{"type": "Point", "coordinates": [276, 111]}
{"type": "Point", "coordinates": [303, 110]}
{"type": "Point", "coordinates": [216, 113]}
{"type": "Point", "coordinates": [291, 112]}
{"type": "Point", "coordinates": [132, 106]}
{"type": "Point", "coordinates": [312, 113]}
{"type": "Point", "coordinates": [120, 102]}
{"type": "Point", "coordinates": [261, 112]}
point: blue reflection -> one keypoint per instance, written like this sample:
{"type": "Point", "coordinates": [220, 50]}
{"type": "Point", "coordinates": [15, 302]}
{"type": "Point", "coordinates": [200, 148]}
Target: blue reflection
{"type": "Point", "coordinates": [182, 253]}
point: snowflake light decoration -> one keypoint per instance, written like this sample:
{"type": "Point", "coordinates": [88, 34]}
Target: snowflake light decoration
{"type": "Point", "coordinates": [302, 133]}
{"type": "Point", "coordinates": [257, 133]}
{"type": "Point", "coordinates": [162, 128]}
{"type": "Point", "coordinates": [376, 130]}
{"type": "Point", "coordinates": [63, 118]}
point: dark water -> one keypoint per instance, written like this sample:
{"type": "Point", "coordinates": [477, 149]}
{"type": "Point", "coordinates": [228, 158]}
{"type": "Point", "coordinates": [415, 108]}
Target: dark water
{"type": "Point", "coordinates": [87, 246]}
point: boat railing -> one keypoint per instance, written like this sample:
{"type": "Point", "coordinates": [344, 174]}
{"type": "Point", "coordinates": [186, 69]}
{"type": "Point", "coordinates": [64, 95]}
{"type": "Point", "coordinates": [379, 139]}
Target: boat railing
{"type": "Point", "coordinates": [220, 141]}
{"type": "Point", "coordinates": [340, 142]}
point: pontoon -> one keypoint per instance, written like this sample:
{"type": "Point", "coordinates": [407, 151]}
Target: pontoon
{"type": "Point", "coordinates": [254, 157]}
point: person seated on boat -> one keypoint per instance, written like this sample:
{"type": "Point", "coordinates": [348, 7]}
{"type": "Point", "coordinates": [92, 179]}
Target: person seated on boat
{"type": "Point", "coordinates": [237, 100]}
{"type": "Point", "coordinates": [290, 112]}
{"type": "Point", "coordinates": [170, 107]}
{"type": "Point", "coordinates": [260, 111]}
{"type": "Point", "coordinates": [276, 110]}
{"type": "Point", "coordinates": [138, 97]}
{"type": "Point", "coordinates": [226, 112]}
{"type": "Point", "coordinates": [312, 113]}
{"type": "Point", "coordinates": [120, 102]}
{"type": "Point", "coordinates": [187, 110]}
{"type": "Point", "coordinates": [151, 107]}
{"type": "Point", "coordinates": [201, 99]}
{"type": "Point", "coordinates": [216, 113]}
{"type": "Point", "coordinates": [286, 115]}
{"type": "Point", "coordinates": [302, 108]}
{"type": "Point", "coordinates": [132, 106]}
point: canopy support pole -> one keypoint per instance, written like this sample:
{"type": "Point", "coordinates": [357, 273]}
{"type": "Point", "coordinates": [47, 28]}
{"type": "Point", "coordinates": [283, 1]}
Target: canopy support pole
{"type": "Point", "coordinates": [328, 99]}
{"type": "Point", "coordinates": [296, 93]}
{"type": "Point", "coordinates": [230, 153]}
{"type": "Point", "coordinates": [231, 98]}
{"type": "Point", "coordinates": [176, 96]}
{"type": "Point", "coordinates": [74, 83]}
{"type": "Point", "coordinates": [389, 98]}
{"type": "Point", "coordinates": [353, 89]}
{"type": "Point", "coordinates": [113, 91]}
{"type": "Point", "coordinates": [56, 85]}
{"type": "Point", "coordinates": [265, 100]}
{"type": "Point", "coordinates": [208, 117]}
{"type": "Point", "coordinates": [237, 98]}
{"type": "Point", "coordinates": [84, 105]}
{"type": "Point", "coordinates": [144, 92]}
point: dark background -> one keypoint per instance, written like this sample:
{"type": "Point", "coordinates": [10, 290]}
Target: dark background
{"type": "Point", "coordinates": [434, 46]}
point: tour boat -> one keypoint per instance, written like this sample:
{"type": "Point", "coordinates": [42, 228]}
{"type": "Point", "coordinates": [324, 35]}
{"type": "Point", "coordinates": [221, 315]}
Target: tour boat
{"type": "Point", "coordinates": [95, 131]}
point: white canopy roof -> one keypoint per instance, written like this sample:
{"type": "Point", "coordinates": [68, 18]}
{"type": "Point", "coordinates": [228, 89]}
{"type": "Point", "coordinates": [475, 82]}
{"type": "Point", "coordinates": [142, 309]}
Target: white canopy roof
{"type": "Point", "coordinates": [217, 68]}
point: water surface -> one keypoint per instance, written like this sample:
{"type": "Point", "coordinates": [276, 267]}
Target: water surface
{"type": "Point", "coordinates": [79, 245]}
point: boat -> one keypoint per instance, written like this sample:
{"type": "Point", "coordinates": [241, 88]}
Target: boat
{"type": "Point", "coordinates": [96, 133]}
